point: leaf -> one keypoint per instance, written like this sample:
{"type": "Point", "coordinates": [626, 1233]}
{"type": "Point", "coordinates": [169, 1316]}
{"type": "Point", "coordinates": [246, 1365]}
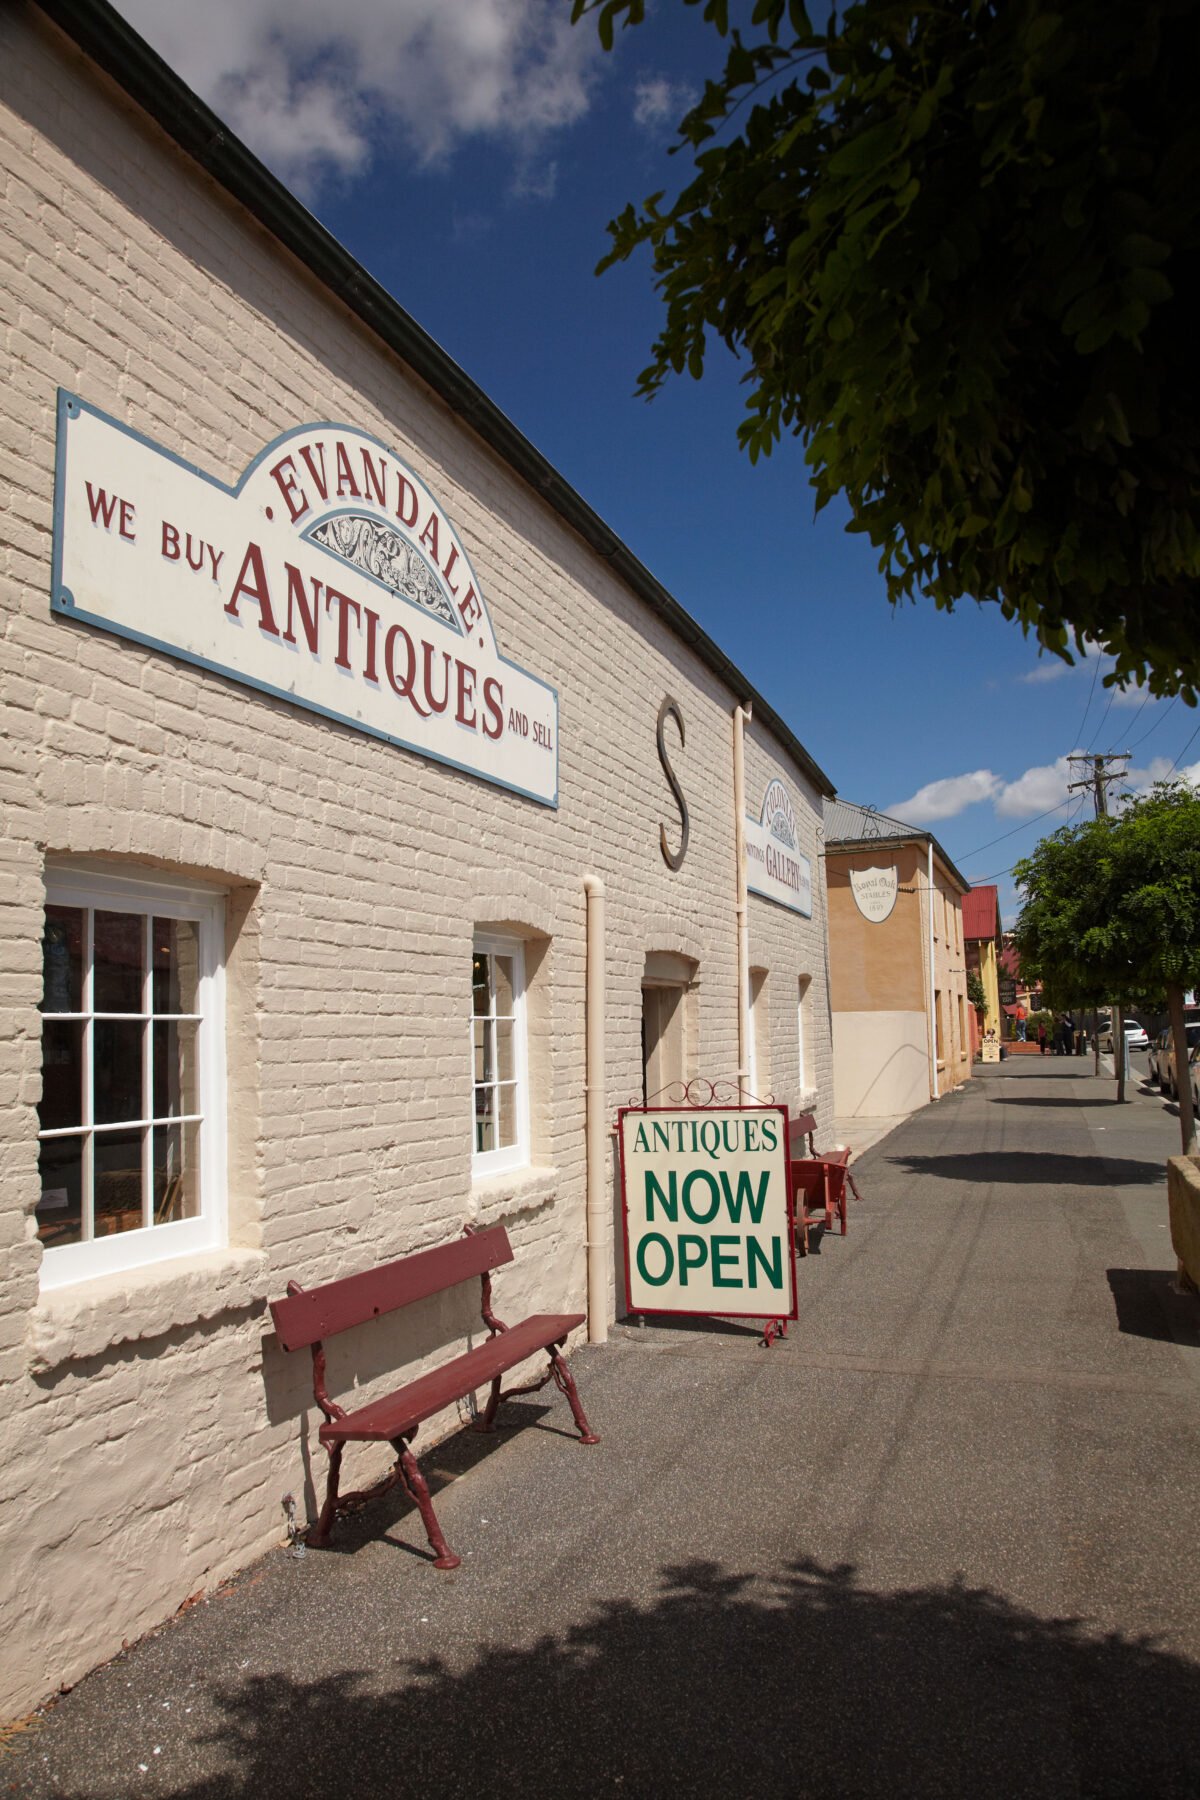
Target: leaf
{"type": "Point", "coordinates": [866, 151]}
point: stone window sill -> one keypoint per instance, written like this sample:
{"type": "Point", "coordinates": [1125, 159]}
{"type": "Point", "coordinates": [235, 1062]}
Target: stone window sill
{"type": "Point", "coordinates": [492, 1196]}
{"type": "Point", "coordinates": [70, 1324]}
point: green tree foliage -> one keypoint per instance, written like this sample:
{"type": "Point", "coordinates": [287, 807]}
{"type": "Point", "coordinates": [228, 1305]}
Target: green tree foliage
{"type": "Point", "coordinates": [975, 994]}
{"type": "Point", "coordinates": [958, 245]}
{"type": "Point", "coordinates": [1112, 912]}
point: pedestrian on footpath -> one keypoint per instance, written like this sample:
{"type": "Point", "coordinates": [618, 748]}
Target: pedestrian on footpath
{"type": "Point", "coordinates": [1042, 1036]}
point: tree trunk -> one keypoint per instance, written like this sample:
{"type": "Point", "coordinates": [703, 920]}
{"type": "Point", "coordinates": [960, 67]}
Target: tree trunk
{"type": "Point", "coordinates": [1118, 1044]}
{"type": "Point", "coordinates": [1183, 1073]}
{"type": "Point", "coordinates": [1095, 1042]}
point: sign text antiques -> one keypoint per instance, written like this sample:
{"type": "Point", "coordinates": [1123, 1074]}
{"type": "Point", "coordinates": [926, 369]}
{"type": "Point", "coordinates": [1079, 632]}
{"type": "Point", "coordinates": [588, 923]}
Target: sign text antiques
{"type": "Point", "coordinates": [328, 577]}
{"type": "Point", "coordinates": [708, 1226]}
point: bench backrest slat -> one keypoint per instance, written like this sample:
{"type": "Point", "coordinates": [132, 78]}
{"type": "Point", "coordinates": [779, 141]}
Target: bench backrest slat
{"type": "Point", "coordinates": [324, 1311]}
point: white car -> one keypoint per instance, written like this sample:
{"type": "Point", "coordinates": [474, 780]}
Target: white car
{"type": "Point", "coordinates": [1135, 1036]}
{"type": "Point", "coordinates": [1166, 1079]}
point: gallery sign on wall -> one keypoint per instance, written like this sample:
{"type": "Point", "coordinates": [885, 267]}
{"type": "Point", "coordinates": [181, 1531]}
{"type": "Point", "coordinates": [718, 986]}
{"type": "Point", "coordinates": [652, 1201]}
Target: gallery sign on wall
{"type": "Point", "coordinates": [775, 867]}
{"type": "Point", "coordinates": [328, 577]}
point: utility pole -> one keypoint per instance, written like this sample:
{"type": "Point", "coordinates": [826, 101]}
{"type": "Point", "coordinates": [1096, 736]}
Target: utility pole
{"type": "Point", "coordinates": [1098, 781]}
{"type": "Point", "coordinates": [1100, 777]}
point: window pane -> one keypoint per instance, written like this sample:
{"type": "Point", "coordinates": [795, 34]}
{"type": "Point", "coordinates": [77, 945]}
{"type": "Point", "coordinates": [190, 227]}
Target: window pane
{"type": "Point", "coordinates": [60, 1163]}
{"type": "Point", "coordinates": [479, 1033]}
{"type": "Point", "coordinates": [118, 1158]}
{"type": "Point", "coordinates": [508, 1115]}
{"type": "Point", "coordinates": [502, 965]}
{"type": "Point", "coordinates": [176, 1089]}
{"type": "Point", "coordinates": [62, 959]}
{"type": "Point", "coordinates": [479, 985]}
{"type": "Point", "coordinates": [118, 948]}
{"type": "Point", "coordinates": [485, 1120]}
{"type": "Point", "coordinates": [62, 1074]}
{"type": "Point", "coordinates": [176, 954]}
{"type": "Point", "coordinates": [176, 1151]}
{"type": "Point", "coordinates": [505, 1067]}
{"type": "Point", "coordinates": [117, 1070]}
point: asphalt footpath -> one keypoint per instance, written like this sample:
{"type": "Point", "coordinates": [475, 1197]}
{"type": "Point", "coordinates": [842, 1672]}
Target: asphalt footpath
{"type": "Point", "coordinates": [943, 1540]}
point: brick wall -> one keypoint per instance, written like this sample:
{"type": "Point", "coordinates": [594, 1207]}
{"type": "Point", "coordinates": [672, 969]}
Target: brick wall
{"type": "Point", "coordinates": [149, 1423]}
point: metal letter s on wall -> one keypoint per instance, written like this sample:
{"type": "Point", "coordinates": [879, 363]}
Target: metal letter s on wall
{"type": "Point", "coordinates": [670, 710]}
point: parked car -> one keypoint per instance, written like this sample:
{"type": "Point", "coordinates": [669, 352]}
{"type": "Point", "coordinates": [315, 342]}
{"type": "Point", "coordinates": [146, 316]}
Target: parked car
{"type": "Point", "coordinates": [1135, 1035]}
{"type": "Point", "coordinates": [1166, 1080]}
{"type": "Point", "coordinates": [1156, 1061]}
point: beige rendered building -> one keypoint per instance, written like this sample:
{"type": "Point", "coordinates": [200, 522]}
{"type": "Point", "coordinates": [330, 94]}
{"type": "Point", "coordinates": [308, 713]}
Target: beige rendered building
{"type": "Point", "coordinates": [897, 968]}
{"type": "Point", "coordinates": [343, 743]}
{"type": "Point", "coordinates": [982, 936]}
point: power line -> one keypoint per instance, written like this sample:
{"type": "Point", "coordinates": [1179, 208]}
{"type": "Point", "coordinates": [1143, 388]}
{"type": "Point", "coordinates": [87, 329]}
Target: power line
{"type": "Point", "coordinates": [1156, 722]}
{"type": "Point", "coordinates": [1100, 727]}
{"type": "Point", "coordinates": [1077, 805]}
{"type": "Point", "coordinates": [1091, 693]}
{"type": "Point", "coordinates": [1184, 751]}
{"type": "Point", "coordinates": [1025, 823]}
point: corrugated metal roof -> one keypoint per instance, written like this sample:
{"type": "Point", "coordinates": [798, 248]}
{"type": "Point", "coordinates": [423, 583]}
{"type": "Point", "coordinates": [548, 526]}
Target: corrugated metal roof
{"type": "Point", "coordinates": [846, 821]}
{"type": "Point", "coordinates": [847, 824]}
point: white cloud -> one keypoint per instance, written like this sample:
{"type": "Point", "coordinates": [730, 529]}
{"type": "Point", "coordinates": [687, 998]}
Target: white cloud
{"type": "Point", "coordinates": [311, 87]}
{"type": "Point", "coordinates": [1159, 768]}
{"type": "Point", "coordinates": [1052, 668]}
{"type": "Point", "coordinates": [658, 101]}
{"type": "Point", "coordinates": [1036, 791]}
{"type": "Point", "coordinates": [945, 799]}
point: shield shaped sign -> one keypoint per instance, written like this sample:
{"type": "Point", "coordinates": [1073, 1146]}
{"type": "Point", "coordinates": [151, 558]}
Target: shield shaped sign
{"type": "Point", "coordinates": [874, 892]}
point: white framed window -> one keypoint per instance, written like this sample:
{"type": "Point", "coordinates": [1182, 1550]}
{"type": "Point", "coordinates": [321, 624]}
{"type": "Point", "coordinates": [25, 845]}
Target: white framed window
{"type": "Point", "coordinates": [499, 1056]}
{"type": "Point", "coordinates": [131, 1144]}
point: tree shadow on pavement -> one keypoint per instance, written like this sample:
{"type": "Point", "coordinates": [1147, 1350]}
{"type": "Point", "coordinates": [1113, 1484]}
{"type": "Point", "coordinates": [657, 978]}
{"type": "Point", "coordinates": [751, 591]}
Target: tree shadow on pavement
{"type": "Point", "coordinates": [1036, 1168]}
{"type": "Point", "coordinates": [808, 1684]}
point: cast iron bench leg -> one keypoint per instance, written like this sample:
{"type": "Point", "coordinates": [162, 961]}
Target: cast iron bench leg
{"type": "Point", "coordinates": [564, 1381]}
{"type": "Point", "coordinates": [487, 1418]}
{"type": "Point", "coordinates": [416, 1487]}
{"type": "Point", "coordinates": [318, 1537]}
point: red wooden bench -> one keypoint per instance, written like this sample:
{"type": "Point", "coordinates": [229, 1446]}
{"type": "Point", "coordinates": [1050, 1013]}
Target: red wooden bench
{"type": "Point", "coordinates": [309, 1316]}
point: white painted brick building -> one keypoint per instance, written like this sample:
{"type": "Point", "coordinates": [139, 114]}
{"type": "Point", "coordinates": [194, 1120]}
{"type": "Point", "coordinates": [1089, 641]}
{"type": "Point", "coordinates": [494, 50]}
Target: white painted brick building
{"type": "Point", "coordinates": [222, 906]}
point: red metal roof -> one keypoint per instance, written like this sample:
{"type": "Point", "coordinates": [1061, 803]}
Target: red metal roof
{"type": "Point", "coordinates": [979, 910]}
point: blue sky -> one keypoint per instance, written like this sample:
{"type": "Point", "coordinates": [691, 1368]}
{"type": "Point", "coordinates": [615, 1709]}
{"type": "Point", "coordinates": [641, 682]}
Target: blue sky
{"type": "Point", "coordinates": [470, 154]}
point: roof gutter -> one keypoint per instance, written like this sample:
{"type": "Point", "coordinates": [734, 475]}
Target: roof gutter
{"type": "Point", "coordinates": [112, 44]}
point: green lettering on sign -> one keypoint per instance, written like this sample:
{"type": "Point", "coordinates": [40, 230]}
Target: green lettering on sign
{"type": "Point", "coordinates": [689, 1182]}
{"type": "Point", "coordinates": [721, 1254]}
{"type": "Point", "coordinates": [655, 1237]}
{"type": "Point", "coordinates": [693, 1254]}
{"type": "Point", "coordinates": [773, 1270]}
{"type": "Point", "coordinates": [668, 1201]}
{"type": "Point", "coordinates": [745, 1197]}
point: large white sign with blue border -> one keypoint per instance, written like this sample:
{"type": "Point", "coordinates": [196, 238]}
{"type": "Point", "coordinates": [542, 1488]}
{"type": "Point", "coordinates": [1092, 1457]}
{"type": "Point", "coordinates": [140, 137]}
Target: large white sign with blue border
{"type": "Point", "coordinates": [328, 576]}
